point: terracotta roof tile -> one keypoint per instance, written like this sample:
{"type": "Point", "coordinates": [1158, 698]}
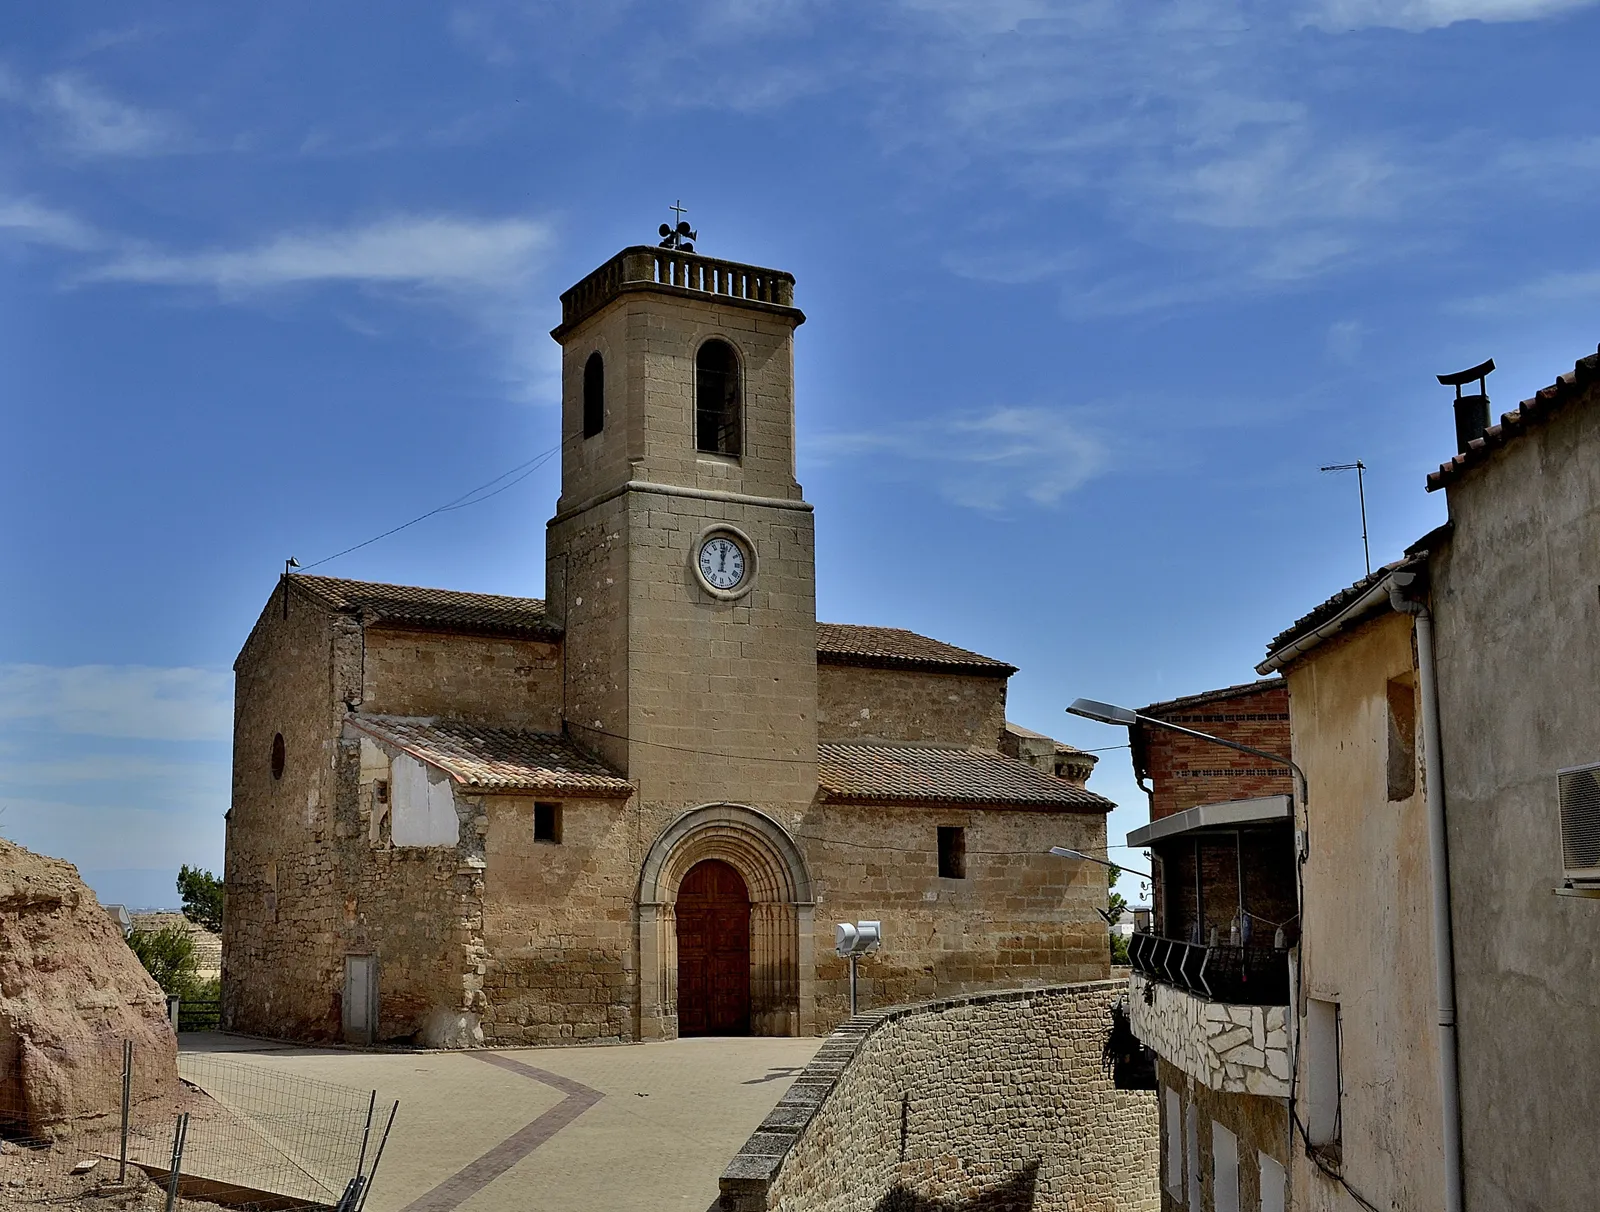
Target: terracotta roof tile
{"type": "Point", "coordinates": [918, 774]}
{"type": "Point", "coordinates": [442, 609]}
{"type": "Point", "coordinates": [497, 759]}
{"type": "Point", "coordinates": [1546, 401]}
{"type": "Point", "coordinates": [895, 648]}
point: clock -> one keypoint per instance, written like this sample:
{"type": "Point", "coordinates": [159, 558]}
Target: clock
{"type": "Point", "coordinates": [724, 562]}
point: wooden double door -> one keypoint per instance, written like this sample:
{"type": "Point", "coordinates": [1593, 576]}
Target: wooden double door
{"type": "Point", "coordinates": [713, 916]}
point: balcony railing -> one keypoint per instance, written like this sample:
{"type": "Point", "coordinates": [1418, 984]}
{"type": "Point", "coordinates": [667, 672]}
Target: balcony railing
{"type": "Point", "coordinates": [1241, 975]}
{"type": "Point", "coordinates": [673, 267]}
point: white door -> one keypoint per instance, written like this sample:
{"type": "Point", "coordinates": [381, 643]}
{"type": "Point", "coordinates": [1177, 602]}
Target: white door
{"type": "Point", "coordinates": [361, 999]}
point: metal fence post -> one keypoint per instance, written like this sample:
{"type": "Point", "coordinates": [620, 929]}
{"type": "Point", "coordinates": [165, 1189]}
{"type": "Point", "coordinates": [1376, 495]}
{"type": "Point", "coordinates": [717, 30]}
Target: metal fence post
{"type": "Point", "coordinates": [127, 1087]}
{"type": "Point", "coordinates": [178, 1135]}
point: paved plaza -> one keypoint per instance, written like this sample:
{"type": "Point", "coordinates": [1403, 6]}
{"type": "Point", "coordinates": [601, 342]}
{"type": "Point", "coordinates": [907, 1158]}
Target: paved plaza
{"type": "Point", "coordinates": [644, 1127]}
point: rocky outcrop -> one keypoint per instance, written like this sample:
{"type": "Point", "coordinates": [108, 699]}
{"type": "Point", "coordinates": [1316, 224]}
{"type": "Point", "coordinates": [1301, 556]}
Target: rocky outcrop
{"type": "Point", "coordinates": [71, 992]}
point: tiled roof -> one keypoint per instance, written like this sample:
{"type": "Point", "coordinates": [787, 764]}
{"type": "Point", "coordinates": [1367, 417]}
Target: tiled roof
{"type": "Point", "coordinates": [442, 609]}
{"type": "Point", "coordinates": [497, 759]}
{"type": "Point", "coordinates": [1172, 706]}
{"type": "Point", "coordinates": [1546, 401]}
{"type": "Point", "coordinates": [895, 648]}
{"type": "Point", "coordinates": [913, 774]}
{"type": "Point", "coordinates": [1331, 609]}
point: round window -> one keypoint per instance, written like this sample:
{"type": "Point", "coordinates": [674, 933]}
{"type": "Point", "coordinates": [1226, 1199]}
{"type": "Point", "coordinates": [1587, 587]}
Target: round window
{"type": "Point", "coordinates": [277, 756]}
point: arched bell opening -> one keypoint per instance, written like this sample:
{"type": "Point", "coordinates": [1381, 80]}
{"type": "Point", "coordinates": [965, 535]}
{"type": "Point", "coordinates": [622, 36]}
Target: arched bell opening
{"type": "Point", "coordinates": [696, 868]}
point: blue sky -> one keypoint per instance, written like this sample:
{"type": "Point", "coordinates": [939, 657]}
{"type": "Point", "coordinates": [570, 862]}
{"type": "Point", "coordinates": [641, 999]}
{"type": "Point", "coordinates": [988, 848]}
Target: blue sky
{"type": "Point", "coordinates": [1094, 288]}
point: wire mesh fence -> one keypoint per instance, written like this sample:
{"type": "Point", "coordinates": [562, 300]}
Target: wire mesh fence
{"type": "Point", "coordinates": [201, 1124]}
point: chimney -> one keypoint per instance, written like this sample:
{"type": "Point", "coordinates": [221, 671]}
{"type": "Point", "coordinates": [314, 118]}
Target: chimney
{"type": "Point", "coordinates": [1472, 412]}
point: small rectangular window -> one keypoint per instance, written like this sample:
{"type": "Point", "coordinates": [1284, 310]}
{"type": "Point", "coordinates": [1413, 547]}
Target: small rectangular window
{"type": "Point", "coordinates": [952, 852]}
{"type": "Point", "coordinates": [1322, 1072]}
{"type": "Point", "coordinates": [547, 822]}
{"type": "Point", "coordinates": [1402, 739]}
{"type": "Point", "coordinates": [1224, 1170]}
{"type": "Point", "coordinates": [1194, 1156]}
{"type": "Point", "coordinates": [1174, 1144]}
{"type": "Point", "coordinates": [1274, 1183]}
{"type": "Point", "coordinates": [380, 791]}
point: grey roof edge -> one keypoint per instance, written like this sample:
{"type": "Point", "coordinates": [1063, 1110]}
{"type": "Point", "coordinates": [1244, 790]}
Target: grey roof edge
{"type": "Point", "coordinates": [1262, 810]}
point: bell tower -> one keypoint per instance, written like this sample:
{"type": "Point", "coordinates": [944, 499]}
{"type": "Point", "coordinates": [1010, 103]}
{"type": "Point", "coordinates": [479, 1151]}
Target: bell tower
{"type": "Point", "coordinates": [680, 558]}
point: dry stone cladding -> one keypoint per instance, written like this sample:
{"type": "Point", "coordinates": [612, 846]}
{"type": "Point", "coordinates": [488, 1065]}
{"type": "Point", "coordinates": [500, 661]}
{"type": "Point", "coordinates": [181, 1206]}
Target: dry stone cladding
{"type": "Point", "coordinates": [71, 991]}
{"type": "Point", "coordinates": [994, 1101]}
{"type": "Point", "coordinates": [1232, 1049]}
{"type": "Point", "coordinates": [496, 798]}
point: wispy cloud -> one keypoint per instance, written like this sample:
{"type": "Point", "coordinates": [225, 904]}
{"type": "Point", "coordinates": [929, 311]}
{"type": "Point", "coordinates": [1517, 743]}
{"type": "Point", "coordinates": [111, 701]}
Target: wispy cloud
{"type": "Point", "coordinates": [1417, 15]}
{"type": "Point", "coordinates": [992, 460]}
{"type": "Point", "coordinates": [128, 701]}
{"type": "Point", "coordinates": [442, 252]}
{"type": "Point", "coordinates": [34, 223]}
{"type": "Point", "coordinates": [77, 117]}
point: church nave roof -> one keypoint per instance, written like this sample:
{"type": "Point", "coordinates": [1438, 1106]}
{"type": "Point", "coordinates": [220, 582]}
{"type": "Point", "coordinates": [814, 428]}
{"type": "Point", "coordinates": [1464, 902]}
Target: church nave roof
{"type": "Point", "coordinates": [433, 609]}
{"type": "Point", "coordinates": [497, 759]}
{"type": "Point", "coordinates": [915, 774]}
{"type": "Point", "coordinates": [896, 648]}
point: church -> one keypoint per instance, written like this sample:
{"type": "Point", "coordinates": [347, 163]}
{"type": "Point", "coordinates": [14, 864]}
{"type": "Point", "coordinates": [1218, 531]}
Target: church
{"type": "Point", "coordinates": [636, 809]}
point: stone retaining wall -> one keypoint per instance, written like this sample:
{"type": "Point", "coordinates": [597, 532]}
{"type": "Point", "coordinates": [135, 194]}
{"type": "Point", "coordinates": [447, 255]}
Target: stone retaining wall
{"type": "Point", "coordinates": [994, 1101]}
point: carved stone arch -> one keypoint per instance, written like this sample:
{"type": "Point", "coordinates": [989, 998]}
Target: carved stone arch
{"type": "Point", "coordinates": [781, 903]}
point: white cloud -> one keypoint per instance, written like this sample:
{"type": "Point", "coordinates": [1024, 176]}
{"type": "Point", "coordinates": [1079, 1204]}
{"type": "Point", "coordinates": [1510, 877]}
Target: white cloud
{"type": "Point", "coordinates": [1415, 15]}
{"type": "Point", "coordinates": [36, 224]}
{"type": "Point", "coordinates": [437, 251]}
{"type": "Point", "coordinates": [78, 117]}
{"type": "Point", "coordinates": [132, 701]}
{"type": "Point", "coordinates": [989, 461]}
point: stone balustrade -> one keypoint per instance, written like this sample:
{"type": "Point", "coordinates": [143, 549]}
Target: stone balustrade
{"type": "Point", "coordinates": [1232, 1049]}
{"type": "Point", "coordinates": [642, 265]}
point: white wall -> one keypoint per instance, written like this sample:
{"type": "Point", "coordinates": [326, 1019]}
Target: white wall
{"type": "Point", "coordinates": [424, 804]}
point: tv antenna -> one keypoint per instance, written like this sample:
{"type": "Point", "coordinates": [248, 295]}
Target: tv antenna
{"type": "Point", "coordinates": [1361, 491]}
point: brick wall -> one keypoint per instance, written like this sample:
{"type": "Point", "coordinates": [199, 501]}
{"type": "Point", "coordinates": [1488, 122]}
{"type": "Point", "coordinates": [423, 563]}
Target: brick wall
{"type": "Point", "coordinates": [1184, 771]}
{"type": "Point", "coordinates": [993, 1101]}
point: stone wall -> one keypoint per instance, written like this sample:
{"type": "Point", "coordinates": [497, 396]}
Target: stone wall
{"type": "Point", "coordinates": [1020, 916]}
{"type": "Point", "coordinates": [506, 683]}
{"type": "Point", "coordinates": [1259, 1126]}
{"type": "Point", "coordinates": [996, 1101]}
{"type": "Point", "coordinates": [1232, 1049]}
{"type": "Point", "coordinates": [860, 704]}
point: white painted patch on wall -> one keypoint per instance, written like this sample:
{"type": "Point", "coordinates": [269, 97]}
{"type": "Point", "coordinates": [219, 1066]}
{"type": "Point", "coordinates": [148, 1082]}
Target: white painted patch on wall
{"type": "Point", "coordinates": [423, 810]}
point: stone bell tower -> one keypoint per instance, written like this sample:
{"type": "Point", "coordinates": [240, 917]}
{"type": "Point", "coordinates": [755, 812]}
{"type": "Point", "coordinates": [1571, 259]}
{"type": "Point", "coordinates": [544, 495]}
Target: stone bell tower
{"type": "Point", "coordinates": [680, 559]}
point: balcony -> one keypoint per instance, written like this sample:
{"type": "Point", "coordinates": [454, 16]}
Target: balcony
{"type": "Point", "coordinates": [1217, 1013]}
{"type": "Point", "coordinates": [1239, 975]}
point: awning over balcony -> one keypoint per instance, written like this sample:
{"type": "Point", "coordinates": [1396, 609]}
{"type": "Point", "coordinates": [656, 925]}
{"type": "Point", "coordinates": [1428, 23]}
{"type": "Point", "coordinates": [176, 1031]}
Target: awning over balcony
{"type": "Point", "coordinates": [1233, 814]}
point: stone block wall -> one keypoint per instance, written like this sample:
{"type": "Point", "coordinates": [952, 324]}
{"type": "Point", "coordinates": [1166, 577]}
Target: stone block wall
{"type": "Point", "coordinates": [1232, 1049]}
{"type": "Point", "coordinates": [505, 683]}
{"type": "Point", "coordinates": [856, 703]}
{"type": "Point", "coordinates": [1019, 917]}
{"type": "Point", "coordinates": [996, 1101]}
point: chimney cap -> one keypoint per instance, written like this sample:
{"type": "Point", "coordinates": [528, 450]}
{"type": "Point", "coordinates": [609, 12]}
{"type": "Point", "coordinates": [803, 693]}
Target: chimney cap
{"type": "Point", "coordinates": [1466, 376]}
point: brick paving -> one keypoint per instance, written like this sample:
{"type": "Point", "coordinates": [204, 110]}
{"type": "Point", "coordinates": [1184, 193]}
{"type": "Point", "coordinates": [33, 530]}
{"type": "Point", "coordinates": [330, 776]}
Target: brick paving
{"type": "Point", "coordinates": [644, 1127]}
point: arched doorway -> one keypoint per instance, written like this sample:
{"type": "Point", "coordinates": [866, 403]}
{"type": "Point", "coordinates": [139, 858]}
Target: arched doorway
{"type": "Point", "coordinates": [713, 918]}
{"type": "Point", "coordinates": [776, 887]}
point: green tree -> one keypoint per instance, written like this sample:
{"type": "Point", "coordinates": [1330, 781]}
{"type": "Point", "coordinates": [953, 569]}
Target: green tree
{"type": "Point", "coordinates": [168, 955]}
{"type": "Point", "coordinates": [202, 897]}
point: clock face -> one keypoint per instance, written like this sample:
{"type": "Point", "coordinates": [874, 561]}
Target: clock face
{"type": "Point", "coordinates": [722, 562]}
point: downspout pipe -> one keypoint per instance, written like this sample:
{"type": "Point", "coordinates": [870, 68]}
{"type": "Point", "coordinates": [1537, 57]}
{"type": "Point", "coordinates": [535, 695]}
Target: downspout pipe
{"type": "Point", "coordinates": [1439, 867]}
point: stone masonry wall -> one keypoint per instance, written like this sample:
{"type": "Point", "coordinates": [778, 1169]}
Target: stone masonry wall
{"type": "Point", "coordinates": [1259, 1126]}
{"type": "Point", "coordinates": [855, 703]}
{"type": "Point", "coordinates": [1019, 917]}
{"type": "Point", "coordinates": [1232, 1049]}
{"type": "Point", "coordinates": [507, 683]}
{"type": "Point", "coordinates": [996, 1101]}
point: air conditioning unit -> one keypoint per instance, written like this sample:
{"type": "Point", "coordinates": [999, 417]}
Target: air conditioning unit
{"type": "Point", "coordinates": [1579, 789]}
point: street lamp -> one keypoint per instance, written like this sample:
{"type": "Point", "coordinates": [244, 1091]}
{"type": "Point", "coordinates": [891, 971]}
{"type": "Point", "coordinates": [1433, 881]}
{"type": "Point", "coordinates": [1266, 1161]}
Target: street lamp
{"type": "Point", "coordinates": [1064, 852]}
{"type": "Point", "coordinates": [1108, 713]}
{"type": "Point", "coordinates": [851, 942]}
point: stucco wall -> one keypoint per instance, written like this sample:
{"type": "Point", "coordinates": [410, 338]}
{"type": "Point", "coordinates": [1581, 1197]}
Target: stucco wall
{"type": "Point", "coordinates": [1514, 595]}
{"type": "Point", "coordinates": [855, 703]}
{"type": "Point", "coordinates": [996, 1101]}
{"type": "Point", "coordinates": [1367, 941]}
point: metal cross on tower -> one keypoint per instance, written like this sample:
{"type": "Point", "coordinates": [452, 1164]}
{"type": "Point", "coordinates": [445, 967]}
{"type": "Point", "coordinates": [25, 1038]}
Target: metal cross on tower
{"type": "Point", "coordinates": [680, 236]}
